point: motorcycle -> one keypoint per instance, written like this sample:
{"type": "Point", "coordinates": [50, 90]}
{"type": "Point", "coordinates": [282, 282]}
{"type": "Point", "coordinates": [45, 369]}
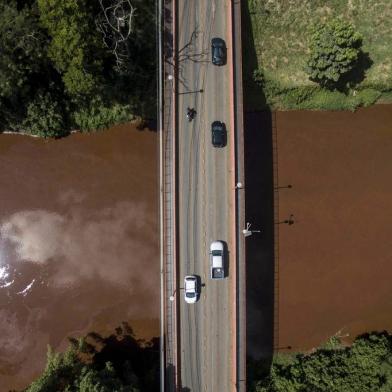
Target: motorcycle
{"type": "Point", "coordinates": [190, 114]}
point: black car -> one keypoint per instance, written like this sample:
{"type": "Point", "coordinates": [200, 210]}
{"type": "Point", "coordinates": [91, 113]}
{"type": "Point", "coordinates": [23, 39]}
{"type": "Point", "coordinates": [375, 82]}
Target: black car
{"type": "Point", "coordinates": [218, 51]}
{"type": "Point", "coordinates": [218, 134]}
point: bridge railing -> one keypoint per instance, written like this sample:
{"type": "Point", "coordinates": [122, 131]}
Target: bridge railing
{"type": "Point", "coordinates": [167, 146]}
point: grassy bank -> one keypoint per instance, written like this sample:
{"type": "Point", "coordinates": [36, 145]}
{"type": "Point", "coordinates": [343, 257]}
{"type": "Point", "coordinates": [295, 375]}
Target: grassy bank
{"type": "Point", "coordinates": [276, 34]}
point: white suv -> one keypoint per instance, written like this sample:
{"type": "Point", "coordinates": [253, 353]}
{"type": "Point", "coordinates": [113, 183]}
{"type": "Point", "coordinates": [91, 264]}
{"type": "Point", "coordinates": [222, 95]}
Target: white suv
{"type": "Point", "coordinates": [191, 289]}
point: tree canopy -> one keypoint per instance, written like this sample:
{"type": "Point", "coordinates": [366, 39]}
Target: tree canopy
{"type": "Point", "coordinates": [335, 49]}
{"type": "Point", "coordinates": [117, 363]}
{"type": "Point", "coordinates": [75, 47]}
{"type": "Point", "coordinates": [22, 48]}
{"type": "Point", "coordinates": [66, 372]}
{"type": "Point", "coordinates": [54, 52]}
{"type": "Point", "coordinates": [365, 366]}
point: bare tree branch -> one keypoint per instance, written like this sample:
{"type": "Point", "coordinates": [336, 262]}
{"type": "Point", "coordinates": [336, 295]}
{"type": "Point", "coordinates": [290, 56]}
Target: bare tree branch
{"type": "Point", "coordinates": [116, 25]}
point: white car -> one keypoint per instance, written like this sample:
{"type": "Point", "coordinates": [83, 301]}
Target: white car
{"type": "Point", "coordinates": [191, 289]}
{"type": "Point", "coordinates": [217, 260]}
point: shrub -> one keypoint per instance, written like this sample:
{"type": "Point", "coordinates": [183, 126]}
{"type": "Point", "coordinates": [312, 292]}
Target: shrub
{"type": "Point", "coordinates": [335, 49]}
{"type": "Point", "coordinates": [293, 98]}
{"type": "Point", "coordinates": [67, 372]}
{"type": "Point", "coordinates": [98, 115]}
{"type": "Point", "coordinates": [368, 96]}
{"type": "Point", "coordinates": [45, 117]}
{"type": "Point", "coordinates": [258, 77]}
{"type": "Point", "coordinates": [331, 100]}
{"type": "Point", "coordinates": [366, 366]}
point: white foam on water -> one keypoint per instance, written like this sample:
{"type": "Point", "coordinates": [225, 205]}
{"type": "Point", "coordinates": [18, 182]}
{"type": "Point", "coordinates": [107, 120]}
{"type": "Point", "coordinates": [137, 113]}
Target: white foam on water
{"type": "Point", "coordinates": [5, 277]}
{"type": "Point", "coordinates": [4, 274]}
{"type": "Point", "coordinates": [26, 289]}
{"type": "Point", "coordinates": [7, 284]}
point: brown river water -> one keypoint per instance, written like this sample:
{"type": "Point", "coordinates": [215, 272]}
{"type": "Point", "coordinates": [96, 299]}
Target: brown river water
{"type": "Point", "coordinates": [322, 264]}
{"type": "Point", "coordinates": [335, 259]}
{"type": "Point", "coordinates": [79, 236]}
{"type": "Point", "coordinates": [79, 243]}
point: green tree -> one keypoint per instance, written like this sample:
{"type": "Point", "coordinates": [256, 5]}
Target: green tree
{"type": "Point", "coordinates": [366, 366]}
{"type": "Point", "coordinates": [75, 47]}
{"type": "Point", "coordinates": [22, 48]}
{"type": "Point", "coordinates": [104, 380]}
{"type": "Point", "coordinates": [116, 363]}
{"type": "Point", "coordinates": [68, 373]}
{"type": "Point", "coordinates": [335, 49]}
{"type": "Point", "coordinates": [60, 370]}
{"type": "Point", "coordinates": [44, 117]}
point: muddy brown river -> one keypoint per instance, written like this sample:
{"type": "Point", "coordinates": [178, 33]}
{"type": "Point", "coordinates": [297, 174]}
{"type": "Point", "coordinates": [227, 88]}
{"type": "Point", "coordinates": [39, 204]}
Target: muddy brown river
{"type": "Point", "coordinates": [79, 236]}
{"type": "Point", "coordinates": [322, 264]}
{"type": "Point", "coordinates": [79, 243]}
{"type": "Point", "coordinates": [334, 259]}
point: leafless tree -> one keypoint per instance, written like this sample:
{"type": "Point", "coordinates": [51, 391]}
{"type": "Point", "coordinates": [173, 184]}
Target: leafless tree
{"type": "Point", "coordinates": [187, 53]}
{"type": "Point", "coordinates": [116, 25]}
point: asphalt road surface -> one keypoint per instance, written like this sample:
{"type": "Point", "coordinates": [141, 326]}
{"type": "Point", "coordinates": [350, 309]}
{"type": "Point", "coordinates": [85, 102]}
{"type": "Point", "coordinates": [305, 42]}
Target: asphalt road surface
{"type": "Point", "coordinates": [203, 196]}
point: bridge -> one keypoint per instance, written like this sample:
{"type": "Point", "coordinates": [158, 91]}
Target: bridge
{"type": "Point", "coordinates": [202, 196]}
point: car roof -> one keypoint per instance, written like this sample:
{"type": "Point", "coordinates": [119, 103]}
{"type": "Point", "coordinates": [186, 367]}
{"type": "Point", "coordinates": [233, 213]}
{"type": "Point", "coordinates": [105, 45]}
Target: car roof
{"type": "Point", "coordinates": [218, 41]}
{"type": "Point", "coordinates": [217, 123]}
{"type": "Point", "coordinates": [190, 285]}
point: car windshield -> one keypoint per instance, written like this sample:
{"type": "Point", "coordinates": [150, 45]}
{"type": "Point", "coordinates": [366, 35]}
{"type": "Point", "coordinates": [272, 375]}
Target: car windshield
{"type": "Point", "coordinates": [216, 252]}
{"type": "Point", "coordinates": [190, 295]}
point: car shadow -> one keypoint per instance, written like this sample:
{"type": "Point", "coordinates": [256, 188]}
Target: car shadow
{"type": "Point", "coordinates": [226, 258]}
{"type": "Point", "coordinates": [200, 285]}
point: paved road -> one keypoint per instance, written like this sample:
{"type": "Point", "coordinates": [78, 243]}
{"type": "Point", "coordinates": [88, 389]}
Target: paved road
{"type": "Point", "coordinates": [203, 197]}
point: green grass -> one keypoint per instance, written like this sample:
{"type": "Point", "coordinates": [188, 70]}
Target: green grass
{"type": "Point", "coordinates": [276, 34]}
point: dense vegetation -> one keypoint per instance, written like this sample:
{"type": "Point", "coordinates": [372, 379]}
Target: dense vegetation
{"type": "Point", "coordinates": [280, 35]}
{"type": "Point", "coordinates": [65, 64]}
{"type": "Point", "coordinates": [335, 50]}
{"type": "Point", "coordinates": [116, 363]}
{"type": "Point", "coordinates": [365, 366]}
